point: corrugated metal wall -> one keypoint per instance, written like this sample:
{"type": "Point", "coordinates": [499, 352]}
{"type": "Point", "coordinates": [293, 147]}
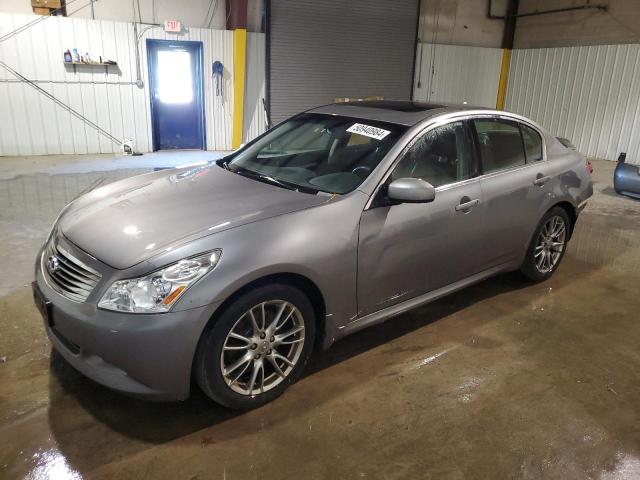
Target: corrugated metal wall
{"type": "Point", "coordinates": [451, 73]}
{"type": "Point", "coordinates": [31, 124]}
{"type": "Point", "coordinates": [321, 50]}
{"type": "Point", "coordinates": [255, 118]}
{"type": "Point", "coordinates": [590, 95]}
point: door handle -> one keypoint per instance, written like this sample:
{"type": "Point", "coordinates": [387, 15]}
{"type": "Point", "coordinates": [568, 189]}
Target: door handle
{"type": "Point", "coordinates": [466, 206]}
{"type": "Point", "coordinates": [541, 179]}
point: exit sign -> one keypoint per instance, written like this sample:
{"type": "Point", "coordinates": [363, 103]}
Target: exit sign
{"type": "Point", "coordinates": [173, 26]}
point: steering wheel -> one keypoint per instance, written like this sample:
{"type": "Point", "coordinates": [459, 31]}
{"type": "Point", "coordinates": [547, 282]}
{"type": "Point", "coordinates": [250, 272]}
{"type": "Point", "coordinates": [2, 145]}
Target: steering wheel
{"type": "Point", "coordinates": [361, 171]}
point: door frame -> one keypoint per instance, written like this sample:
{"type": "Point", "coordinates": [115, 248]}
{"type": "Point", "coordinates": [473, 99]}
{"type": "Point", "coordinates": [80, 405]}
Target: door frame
{"type": "Point", "coordinates": [199, 77]}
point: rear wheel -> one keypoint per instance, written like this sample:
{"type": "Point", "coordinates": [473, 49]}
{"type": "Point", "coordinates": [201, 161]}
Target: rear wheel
{"type": "Point", "coordinates": [257, 347]}
{"type": "Point", "coordinates": [547, 246]}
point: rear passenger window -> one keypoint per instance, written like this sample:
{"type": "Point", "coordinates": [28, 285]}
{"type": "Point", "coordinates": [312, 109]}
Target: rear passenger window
{"type": "Point", "coordinates": [532, 143]}
{"type": "Point", "coordinates": [500, 144]}
{"type": "Point", "coordinates": [441, 156]}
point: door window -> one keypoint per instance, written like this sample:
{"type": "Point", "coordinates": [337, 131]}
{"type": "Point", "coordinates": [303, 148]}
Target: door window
{"type": "Point", "coordinates": [175, 84]}
{"type": "Point", "coordinates": [532, 143]}
{"type": "Point", "coordinates": [441, 156]}
{"type": "Point", "coordinates": [500, 144]}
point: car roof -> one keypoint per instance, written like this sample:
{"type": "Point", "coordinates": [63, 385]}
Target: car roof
{"type": "Point", "coordinates": [393, 111]}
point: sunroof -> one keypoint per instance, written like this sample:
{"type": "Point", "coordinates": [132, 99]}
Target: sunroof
{"type": "Point", "coordinates": [399, 106]}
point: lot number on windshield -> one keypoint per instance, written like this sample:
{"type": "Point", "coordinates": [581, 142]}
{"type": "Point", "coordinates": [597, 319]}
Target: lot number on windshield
{"type": "Point", "coordinates": [368, 131]}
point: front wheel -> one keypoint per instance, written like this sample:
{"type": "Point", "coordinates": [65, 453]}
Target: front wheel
{"type": "Point", "coordinates": [257, 347]}
{"type": "Point", "coordinates": [547, 246]}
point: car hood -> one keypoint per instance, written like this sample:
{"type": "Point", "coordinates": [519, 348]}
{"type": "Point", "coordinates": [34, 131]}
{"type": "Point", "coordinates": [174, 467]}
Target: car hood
{"type": "Point", "coordinates": [127, 222]}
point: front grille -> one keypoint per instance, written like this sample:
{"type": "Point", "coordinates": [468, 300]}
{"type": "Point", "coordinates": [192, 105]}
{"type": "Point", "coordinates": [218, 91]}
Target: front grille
{"type": "Point", "coordinates": [66, 274]}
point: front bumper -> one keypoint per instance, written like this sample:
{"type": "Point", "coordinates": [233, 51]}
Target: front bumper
{"type": "Point", "coordinates": [143, 355]}
{"type": "Point", "coordinates": [626, 179]}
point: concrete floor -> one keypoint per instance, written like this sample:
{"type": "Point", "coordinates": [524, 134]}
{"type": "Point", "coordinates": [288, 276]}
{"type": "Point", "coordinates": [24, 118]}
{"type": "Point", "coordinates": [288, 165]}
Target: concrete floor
{"type": "Point", "coordinates": [503, 380]}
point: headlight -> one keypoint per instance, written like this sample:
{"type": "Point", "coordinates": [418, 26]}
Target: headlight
{"type": "Point", "coordinates": [158, 291]}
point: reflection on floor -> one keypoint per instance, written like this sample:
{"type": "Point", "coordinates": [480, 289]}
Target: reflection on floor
{"type": "Point", "coordinates": [11, 167]}
{"type": "Point", "coordinates": [504, 379]}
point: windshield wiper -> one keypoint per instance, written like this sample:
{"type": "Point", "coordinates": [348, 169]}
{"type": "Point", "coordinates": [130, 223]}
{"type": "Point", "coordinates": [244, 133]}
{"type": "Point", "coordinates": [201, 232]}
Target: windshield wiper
{"type": "Point", "coordinates": [275, 181]}
{"type": "Point", "coordinates": [259, 176]}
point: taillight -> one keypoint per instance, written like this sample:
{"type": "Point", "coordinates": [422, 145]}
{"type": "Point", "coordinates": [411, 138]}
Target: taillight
{"type": "Point", "coordinates": [589, 167]}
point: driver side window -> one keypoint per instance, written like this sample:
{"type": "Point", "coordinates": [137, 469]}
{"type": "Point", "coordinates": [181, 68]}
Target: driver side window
{"type": "Point", "coordinates": [441, 156]}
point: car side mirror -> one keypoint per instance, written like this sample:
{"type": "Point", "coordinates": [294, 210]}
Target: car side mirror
{"type": "Point", "coordinates": [411, 190]}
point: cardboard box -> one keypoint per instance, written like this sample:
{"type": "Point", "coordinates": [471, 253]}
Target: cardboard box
{"type": "Point", "coordinates": [41, 11]}
{"type": "Point", "coordinates": [347, 99]}
{"type": "Point", "coordinates": [46, 4]}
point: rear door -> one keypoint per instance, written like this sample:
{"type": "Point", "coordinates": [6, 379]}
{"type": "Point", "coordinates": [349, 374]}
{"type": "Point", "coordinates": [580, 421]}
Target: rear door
{"type": "Point", "coordinates": [515, 181]}
{"type": "Point", "coordinates": [409, 249]}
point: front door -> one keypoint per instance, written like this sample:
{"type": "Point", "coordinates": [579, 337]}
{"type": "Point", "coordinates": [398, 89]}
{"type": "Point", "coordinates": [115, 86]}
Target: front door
{"type": "Point", "coordinates": [409, 249]}
{"type": "Point", "coordinates": [175, 82]}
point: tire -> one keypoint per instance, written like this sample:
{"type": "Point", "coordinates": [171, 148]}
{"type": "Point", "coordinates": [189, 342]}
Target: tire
{"type": "Point", "coordinates": [214, 367]}
{"type": "Point", "coordinates": [547, 247]}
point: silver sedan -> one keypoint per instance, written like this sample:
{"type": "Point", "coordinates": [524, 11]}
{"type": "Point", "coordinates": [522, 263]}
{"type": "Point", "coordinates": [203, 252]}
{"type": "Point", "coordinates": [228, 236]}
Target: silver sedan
{"type": "Point", "coordinates": [339, 218]}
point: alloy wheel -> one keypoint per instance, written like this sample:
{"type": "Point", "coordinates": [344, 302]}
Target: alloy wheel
{"type": "Point", "coordinates": [262, 347]}
{"type": "Point", "coordinates": [550, 245]}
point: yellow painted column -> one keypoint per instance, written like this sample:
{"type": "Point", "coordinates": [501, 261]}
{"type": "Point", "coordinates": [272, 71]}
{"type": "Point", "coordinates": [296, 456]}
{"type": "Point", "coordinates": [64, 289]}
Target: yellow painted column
{"type": "Point", "coordinates": [504, 78]}
{"type": "Point", "coordinates": [239, 67]}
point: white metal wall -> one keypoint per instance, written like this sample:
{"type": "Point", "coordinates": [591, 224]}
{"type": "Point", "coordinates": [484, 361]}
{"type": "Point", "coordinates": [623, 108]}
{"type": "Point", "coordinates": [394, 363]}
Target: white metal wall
{"type": "Point", "coordinates": [31, 124]}
{"type": "Point", "coordinates": [590, 95]}
{"type": "Point", "coordinates": [457, 74]}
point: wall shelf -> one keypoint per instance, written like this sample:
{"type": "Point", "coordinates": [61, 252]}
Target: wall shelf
{"type": "Point", "coordinates": [87, 64]}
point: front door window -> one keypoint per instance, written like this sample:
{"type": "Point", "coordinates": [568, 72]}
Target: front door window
{"type": "Point", "coordinates": [441, 156]}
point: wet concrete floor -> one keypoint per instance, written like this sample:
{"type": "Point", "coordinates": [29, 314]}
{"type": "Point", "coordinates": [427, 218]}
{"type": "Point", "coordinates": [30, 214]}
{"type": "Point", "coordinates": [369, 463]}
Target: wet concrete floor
{"type": "Point", "coordinates": [502, 380]}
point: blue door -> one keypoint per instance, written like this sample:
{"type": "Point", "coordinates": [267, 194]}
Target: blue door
{"type": "Point", "coordinates": [175, 83]}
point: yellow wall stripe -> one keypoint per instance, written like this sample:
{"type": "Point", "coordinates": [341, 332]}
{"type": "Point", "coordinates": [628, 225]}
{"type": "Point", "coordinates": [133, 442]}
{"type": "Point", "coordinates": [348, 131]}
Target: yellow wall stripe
{"type": "Point", "coordinates": [504, 78]}
{"type": "Point", "coordinates": [239, 66]}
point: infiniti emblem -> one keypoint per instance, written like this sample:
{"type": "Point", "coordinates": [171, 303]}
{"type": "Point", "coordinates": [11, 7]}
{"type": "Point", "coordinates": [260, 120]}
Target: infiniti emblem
{"type": "Point", "coordinates": [53, 264]}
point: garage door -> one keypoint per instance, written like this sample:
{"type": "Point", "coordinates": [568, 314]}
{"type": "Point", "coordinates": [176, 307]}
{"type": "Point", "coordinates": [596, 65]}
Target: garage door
{"type": "Point", "coordinates": [320, 50]}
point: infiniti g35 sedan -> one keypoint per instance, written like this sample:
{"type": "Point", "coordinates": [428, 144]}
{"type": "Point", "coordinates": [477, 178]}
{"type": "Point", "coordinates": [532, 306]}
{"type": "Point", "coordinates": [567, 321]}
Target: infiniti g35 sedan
{"type": "Point", "coordinates": [232, 272]}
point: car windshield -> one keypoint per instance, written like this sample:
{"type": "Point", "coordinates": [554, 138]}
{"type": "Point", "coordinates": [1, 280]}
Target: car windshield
{"type": "Point", "coordinates": [317, 153]}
